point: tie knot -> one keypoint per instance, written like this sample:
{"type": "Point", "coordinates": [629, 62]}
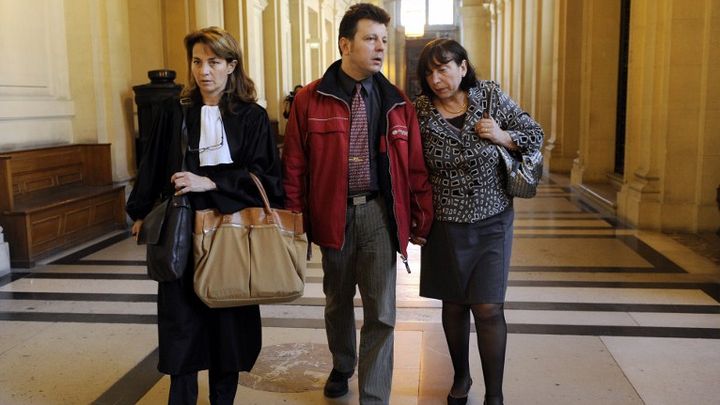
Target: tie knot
{"type": "Point", "coordinates": [358, 87]}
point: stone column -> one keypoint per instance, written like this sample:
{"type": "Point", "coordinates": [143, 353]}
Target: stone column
{"type": "Point", "coordinates": [528, 63]}
{"type": "Point", "coordinates": [393, 57]}
{"type": "Point", "coordinates": [566, 106]}
{"type": "Point", "coordinates": [639, 200]}
{"type": "Point", "coordinates": [209, 13]}
{"type": "Point", "coordinates": [546, 79]}
{"type": "Point", "coordinates": [234, 19]}
{"type": "Point", "coordinates": [507, 46]}
{"type": "Point", "coordinates": [178, 21]}
{"type": "Point", "coordinates": [101, 58]}
{"type": "Point", "coordinates": [311, 47]}
{"type": "Point", "coordinates": [272, 58]}
{"type": "Point", "coordinates": [598, 92]}
{"type": "Point", "coordinates": [499, 43]}
{"type": "Point", "coordinates": [255, 52]}
{"type": "Point", "coordinates": [492, 73]}
{"type": "Point", "coordinates": [286, 58]}
{"type": "Point", "coordinates": [278, 58]}
{"type": "Point", "coordinates": [298, 42]}
{"type": "Point", "coordinates": [476, 35]}
{"type": "Point", "coordinates": [328, 34]}
{"type": "Point", "coordinates": [514, 86]}
{"type": "Point", "coordinates": [672, 152]}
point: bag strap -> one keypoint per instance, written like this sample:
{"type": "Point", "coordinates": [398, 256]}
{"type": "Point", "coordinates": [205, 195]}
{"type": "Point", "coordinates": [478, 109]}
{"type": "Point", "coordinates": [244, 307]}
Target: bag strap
{"type": "Point", "coordinates": [491, 93]}
{"type": "Point", "coordinates": [266, 202]}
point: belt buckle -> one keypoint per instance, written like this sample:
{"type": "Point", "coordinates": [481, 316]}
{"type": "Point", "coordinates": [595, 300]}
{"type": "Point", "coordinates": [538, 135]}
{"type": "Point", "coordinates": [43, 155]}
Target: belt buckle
{"type": "Point", "coordinates": [359, 200]}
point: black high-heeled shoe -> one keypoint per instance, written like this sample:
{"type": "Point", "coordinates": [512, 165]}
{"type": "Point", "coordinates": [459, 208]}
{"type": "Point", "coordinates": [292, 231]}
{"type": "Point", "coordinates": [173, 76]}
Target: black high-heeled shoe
{"type": "Point", "coordinates": [451, 400]}
{"type": "Point", "coordinates": [456, 401]}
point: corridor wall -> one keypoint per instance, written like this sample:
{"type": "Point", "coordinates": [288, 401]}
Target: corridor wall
{"type": "Point", "coordinates": [671, 168]}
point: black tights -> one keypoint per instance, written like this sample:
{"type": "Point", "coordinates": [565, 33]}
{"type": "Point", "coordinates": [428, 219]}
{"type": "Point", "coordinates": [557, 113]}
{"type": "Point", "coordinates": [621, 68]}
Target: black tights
{"type": "Point", "coordinates": [184, 388]}
{"type": "Point", "coordinates": [491, 331]}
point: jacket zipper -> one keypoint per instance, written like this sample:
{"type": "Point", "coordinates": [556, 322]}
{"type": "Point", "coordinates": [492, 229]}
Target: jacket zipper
{"type": "Point", "coordinates": [387, 146]}
{"type": "Point", "coordinates": [349, 119]}
{"type": "Point", "coordinates": [387, 130]}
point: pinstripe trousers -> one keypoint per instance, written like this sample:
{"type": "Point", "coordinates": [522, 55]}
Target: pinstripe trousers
{"type": "Point", "coordinates": [367, 259]}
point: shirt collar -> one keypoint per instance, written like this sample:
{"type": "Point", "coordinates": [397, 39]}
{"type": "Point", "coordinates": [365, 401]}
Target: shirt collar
{"type": "Point", "coordinates": [347, 83]}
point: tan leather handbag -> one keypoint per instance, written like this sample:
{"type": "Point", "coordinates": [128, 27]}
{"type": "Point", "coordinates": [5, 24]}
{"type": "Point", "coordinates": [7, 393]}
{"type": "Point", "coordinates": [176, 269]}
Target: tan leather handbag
{"type": "Point", "coordinates": [253, 256]}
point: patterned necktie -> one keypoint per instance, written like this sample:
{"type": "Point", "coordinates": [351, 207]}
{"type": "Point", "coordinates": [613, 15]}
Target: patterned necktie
{"type": "Point", "coordinates": [359, 160]}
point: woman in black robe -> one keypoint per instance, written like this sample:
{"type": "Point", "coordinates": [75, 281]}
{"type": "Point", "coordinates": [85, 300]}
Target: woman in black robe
{"type": "Point", "coordinates": [228, 137]}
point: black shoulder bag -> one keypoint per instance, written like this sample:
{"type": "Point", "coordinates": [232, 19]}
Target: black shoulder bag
{"type": "Point", "coordinates": [167, 229]}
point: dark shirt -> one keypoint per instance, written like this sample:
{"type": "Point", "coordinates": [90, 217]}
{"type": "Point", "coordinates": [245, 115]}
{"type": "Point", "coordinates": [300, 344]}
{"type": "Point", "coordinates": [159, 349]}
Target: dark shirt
{"type": "Point", "coordinates": [457, 122]}
{"type": "Point", "coordinates": [371, 96]}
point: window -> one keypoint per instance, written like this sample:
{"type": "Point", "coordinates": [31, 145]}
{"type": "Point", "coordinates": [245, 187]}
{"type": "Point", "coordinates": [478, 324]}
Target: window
{"type": "Point", "coordinates": [441, 12]}
{"type": "Point", "coordinates": [427, 12]}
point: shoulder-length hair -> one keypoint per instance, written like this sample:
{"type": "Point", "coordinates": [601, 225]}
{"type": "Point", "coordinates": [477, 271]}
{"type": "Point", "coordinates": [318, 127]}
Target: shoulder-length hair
{"type": "Point", "coordinates": [239, 87]}
{"type": "Point", "coordinates": [439, 52]}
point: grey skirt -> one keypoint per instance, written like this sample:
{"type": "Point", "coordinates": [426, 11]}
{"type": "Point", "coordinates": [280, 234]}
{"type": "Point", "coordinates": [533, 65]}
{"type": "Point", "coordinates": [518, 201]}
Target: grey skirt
{"type": "Point", "coordinates": [468, 263]}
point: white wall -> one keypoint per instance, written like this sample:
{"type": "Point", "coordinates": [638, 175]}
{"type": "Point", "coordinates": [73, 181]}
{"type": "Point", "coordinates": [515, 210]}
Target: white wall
{"type": "Point", "coordinates": [35, 103]}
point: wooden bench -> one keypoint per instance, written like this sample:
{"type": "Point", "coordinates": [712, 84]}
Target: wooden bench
{"type": "Point", "coordinates": [55, 197]}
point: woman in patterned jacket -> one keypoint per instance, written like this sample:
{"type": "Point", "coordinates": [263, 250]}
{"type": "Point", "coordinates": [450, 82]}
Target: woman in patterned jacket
{"type": "Point", "coordinates": [466, 259]}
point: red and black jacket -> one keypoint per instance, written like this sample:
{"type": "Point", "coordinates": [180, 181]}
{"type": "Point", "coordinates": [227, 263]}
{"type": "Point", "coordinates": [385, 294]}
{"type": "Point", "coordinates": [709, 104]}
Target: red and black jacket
{"type": "Point", "coordinates": [315, 162]}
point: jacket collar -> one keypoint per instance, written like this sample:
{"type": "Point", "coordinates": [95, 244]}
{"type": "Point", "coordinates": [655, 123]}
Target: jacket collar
{"type": "Point", "coordinates": [476, 96]}
{"type": "Point", "coordinates": [389, 94]}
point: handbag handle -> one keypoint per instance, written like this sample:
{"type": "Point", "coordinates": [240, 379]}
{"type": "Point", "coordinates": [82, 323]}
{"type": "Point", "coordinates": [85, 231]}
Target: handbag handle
{"type": "Point", "coordinates": [491, 92]}
{"type": "Point", "coordinates": [270, 214]}
{"type": "Point", "coordinates": [503, 152]}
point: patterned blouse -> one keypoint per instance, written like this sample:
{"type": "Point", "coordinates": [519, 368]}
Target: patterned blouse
{"type": "Point", "coordinates": [465, 173]}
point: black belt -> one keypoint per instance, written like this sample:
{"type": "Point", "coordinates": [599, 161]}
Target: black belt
{"type": "Point", "coordinates": [361, 199]}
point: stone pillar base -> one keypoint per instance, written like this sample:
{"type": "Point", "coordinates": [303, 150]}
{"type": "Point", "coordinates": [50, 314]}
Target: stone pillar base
{"type": "Point", "coordinates": [4, 257]}
{"type": "Point", "coordinates": [576, 173]}
{"type": "Point", "coordinates": [639, 202]}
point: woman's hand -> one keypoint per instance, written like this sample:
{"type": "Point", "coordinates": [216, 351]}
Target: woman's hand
{"type": "Point", "coordinates": [136, 228]}
{"type": "Point", "coordinates": [187, 182]}
{"type": "Point", "coordinates": [488, 129]}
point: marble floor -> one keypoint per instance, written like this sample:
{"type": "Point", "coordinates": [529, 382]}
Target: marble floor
{"type": "Point", "coordinates": [598, 313]}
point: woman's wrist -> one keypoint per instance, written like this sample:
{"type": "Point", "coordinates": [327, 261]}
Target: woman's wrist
{"type": "Point", "coordinates": [211, 184]}
{"type": "Point", "coordinates": [508, 142]}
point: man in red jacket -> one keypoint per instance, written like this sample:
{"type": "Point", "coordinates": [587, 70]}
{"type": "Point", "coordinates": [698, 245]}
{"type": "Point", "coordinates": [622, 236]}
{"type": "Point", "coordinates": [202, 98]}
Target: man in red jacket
{"type": "Point", "coordinates": [353, 165]}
